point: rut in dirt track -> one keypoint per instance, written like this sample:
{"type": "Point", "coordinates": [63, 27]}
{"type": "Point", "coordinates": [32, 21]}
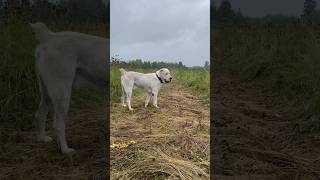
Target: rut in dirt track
{"type": "Point", "coordinates": [256, 134]}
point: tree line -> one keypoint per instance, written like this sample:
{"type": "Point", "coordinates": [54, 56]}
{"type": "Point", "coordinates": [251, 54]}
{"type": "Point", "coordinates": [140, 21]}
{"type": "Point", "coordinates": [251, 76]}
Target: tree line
{"type": "Point", "coordinates": [139, 63]}
{"type": "Point", "coordinates": [71, 11]}
{"type": "Point", "coordinates": [226, 15]}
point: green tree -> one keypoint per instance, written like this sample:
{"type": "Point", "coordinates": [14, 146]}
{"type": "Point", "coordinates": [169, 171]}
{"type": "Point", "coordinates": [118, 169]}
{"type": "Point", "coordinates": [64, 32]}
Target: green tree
{"type": "Point", "coordinates": [239, 17]}
{"type": "Point", "coordinates": [82, 11]}
{"type": "Point", "coordinates": [213, 11]}
{"type": "Point", "coordinates": [309, 10]}
{"type": "Point", "coordinates": [206, 65]}
{"type": "Point", "coordinates": [180, 64]}
{"type": "Point", "coordinates": [225, 12]}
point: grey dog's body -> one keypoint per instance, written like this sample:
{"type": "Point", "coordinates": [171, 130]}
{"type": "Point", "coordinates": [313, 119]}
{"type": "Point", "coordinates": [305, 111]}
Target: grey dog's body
{"type": "Point", "coordinates": [63, 61]}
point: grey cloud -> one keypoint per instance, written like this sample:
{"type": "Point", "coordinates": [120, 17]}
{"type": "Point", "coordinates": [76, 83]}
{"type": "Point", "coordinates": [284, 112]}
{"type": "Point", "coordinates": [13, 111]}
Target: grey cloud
{"type": "Point", "coordinates": [170, 30]}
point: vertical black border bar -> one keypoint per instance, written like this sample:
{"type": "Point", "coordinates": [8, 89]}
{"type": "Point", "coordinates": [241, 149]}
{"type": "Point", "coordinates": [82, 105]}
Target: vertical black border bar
{"type": "Point", "coordinates": [107, 91]}
{"type": "Point", "coordinates": [211, 94]}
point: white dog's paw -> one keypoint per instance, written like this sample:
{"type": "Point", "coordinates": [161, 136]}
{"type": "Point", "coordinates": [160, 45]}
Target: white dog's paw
{"type": "Point", "coordinates": [156, 106]}
{"type": "Point", "coordinates": [68, 151]}
{"type": "Point", "coordinates": [124, 105]}
{"type": "Point", "coordinates": [44, 139]}
{"type": "Point", "coordinates": [130, 109]}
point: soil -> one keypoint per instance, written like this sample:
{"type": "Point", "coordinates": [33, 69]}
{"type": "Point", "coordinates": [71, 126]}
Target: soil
{"type": "Point", "coordinates": [22, 157]}
{"type": "Point", "coordinates": [257, 134]}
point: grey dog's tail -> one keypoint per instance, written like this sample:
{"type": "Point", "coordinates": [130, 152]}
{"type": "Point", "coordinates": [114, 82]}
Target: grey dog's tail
{"type": "Point", "coordinates": [122, 71]}
{"type": "Point", "coordinates": [41, 31]}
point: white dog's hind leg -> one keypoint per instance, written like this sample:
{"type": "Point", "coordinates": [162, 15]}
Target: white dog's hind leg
{"type": "Point", "coordinates": [123, 97]}
{"type": "Point", "coordinates": [128, 88]}
{"type": "Point", "coordinates": [41, 115]}
{"type": "Point", "coordinates": [129, 94]}
{"type": "Point", "coordinates": [61, 110]}
{"type": "Point", "coordinates": [61, 99]}
{"type": "Point", "coordinates": [59, 88]}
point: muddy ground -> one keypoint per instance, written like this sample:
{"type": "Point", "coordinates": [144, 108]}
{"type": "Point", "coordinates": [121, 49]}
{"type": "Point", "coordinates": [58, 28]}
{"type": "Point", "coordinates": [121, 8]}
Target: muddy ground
{"type": "Point", "coordinates": [21, 157]}
{"type": "Point", "coordinates": [258, 134]}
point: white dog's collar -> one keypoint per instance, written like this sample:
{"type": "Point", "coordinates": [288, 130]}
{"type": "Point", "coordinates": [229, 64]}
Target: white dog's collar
{"type": "Point", "coordinates": [161, 81]}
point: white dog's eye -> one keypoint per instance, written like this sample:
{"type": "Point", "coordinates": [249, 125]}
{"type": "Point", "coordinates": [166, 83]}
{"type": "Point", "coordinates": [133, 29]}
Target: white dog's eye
{"type": "Point", "coordinates": [166, 73]}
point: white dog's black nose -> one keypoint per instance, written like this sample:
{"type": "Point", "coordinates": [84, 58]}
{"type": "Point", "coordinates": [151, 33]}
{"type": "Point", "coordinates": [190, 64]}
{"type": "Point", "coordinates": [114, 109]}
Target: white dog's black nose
{"type": "Point", "coordinates": [170, 78]}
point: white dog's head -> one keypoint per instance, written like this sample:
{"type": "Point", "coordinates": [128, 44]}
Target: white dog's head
{"type": "Point", "coordinates": [164, 75]}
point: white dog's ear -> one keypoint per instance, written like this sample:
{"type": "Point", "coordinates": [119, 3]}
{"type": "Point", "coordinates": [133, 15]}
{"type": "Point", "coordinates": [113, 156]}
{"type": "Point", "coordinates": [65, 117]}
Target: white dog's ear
{"type": "Point", "coordinates": [161, 70]}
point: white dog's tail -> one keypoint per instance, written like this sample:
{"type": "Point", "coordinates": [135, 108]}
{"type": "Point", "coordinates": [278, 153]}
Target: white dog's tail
{"type": "Point", "coordinates": [122, 71]}
{"type": "Point", "coordinates": [41, 31]}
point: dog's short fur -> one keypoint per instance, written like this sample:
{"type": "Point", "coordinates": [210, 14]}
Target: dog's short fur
{"type": "Point", "coordinates": [63, 61]}
{"type": "Point", "coordinates": [150, 83]}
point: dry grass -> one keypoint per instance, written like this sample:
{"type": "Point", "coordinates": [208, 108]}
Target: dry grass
{"type": "Point", "coordinates": [171, 142]}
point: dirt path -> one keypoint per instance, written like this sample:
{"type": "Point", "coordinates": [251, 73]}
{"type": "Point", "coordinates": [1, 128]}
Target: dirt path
{"type": "Point", "coordinates": [257, 135]}
{"type": "Point", "coordinates": [172, 141]}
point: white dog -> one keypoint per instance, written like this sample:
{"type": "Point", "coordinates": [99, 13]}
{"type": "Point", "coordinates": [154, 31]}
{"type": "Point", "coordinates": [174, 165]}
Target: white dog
{"type": "Point", "coordinates": [150, 83]}
{"type": "Point", "coordinates": [65, 60]}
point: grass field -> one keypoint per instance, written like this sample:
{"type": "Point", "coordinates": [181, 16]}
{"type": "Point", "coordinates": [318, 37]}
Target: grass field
{"type": "Point", "coordinates": [170, 142]}
{"type": "Point", "coordinates": [287, 59]}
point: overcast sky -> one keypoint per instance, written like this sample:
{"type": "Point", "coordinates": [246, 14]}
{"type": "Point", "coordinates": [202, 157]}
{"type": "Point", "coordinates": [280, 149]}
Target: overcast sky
{"type": "Point", "coordinates": [161, 30]}
{"type": "Point", "coordinates": [258, 8]}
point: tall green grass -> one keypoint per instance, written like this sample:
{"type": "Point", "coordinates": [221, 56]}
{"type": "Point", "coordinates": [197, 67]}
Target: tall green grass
{"type": "Point", "coordinates": [115, 85]}
{"type": "Point", "coordinates": [196, 79]}
{"type": "Point", "coordinates": [18, 86]}
{"type": "Point", "coordinates": [288, 59]}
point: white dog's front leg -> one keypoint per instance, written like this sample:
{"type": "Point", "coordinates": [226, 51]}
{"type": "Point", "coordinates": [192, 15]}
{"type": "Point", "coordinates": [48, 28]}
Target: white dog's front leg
{"type": "Point", "coordinates": [147, 100]}
{"type": "Point", "coordinates": [155, 99]}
